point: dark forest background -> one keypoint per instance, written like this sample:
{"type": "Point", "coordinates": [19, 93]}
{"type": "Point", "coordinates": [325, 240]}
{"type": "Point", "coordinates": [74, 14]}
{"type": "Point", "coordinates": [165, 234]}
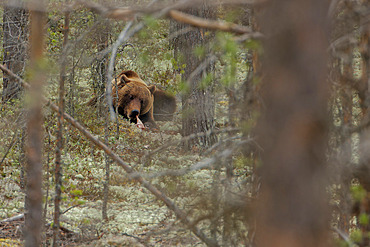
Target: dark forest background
{"type": "Point", "coordinates": [268, 145]}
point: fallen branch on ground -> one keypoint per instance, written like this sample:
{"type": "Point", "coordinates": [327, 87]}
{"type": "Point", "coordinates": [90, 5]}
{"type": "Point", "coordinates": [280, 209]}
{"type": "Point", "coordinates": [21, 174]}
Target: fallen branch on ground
{"type": "Point", "coordinates": [14, 218]}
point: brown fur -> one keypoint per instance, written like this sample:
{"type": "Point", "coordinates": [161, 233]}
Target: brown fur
{"type": "Point", "coordinates": [135, 97]}
{"type": "Point", "coordinates": [164, 106]}
{"type": "Point", "coordinates": [132, 97]}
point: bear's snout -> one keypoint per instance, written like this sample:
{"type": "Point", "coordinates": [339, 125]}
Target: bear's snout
{"type": "Point", "coordinates": [133, 109]}
{"type": "Point", "coordinates": [133, 114]}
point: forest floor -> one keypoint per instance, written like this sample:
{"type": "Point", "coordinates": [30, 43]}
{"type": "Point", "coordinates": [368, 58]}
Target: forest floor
{"type": "Point", "coordinates": [135, 216]}
{"type": "Point", "coordinates": [11, 235]}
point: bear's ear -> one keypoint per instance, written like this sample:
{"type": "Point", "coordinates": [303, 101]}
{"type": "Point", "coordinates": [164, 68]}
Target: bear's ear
{"type": "Point", "coordinates": [130, 74]}
{"type": "Point", "coordinates": [152, 88]}
{"type": "Point", "coordinates": [124, 79]}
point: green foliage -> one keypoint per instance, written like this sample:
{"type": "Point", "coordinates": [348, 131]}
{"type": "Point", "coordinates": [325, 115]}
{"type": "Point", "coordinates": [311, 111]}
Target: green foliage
{"type": "Point", "coordinates": [341, 243]}
{"type": "Point", "coordinates": [151, 22]}
{"type": "Point", "coordinates": [200, 52]}
{"type": "Point", "coordinates": [241, 162]}
{"type": "Point", "coordinates": [356, 236]}
{"type": "Point", "coordinates": [183, 87]}
{"type": "Point", "coordinates": [358, 193]}
{"type": "Point", "coordinates": [230, 50]}
{"type": "Point", "coordinates": [363, 219]}
{"type": "Point", "coordinates": [206, 81]}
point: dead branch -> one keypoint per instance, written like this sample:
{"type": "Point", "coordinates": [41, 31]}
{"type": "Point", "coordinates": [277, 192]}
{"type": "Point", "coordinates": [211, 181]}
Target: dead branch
{"type": "Point", "coordinates": [173, 11]}
{"type": "Point", "coordinates": [188, 138]}
{"type": "Point", "coordinates": [207, 163]}
{"type": "Point", "coordinates": [128, 13]}
{"type": "Point", "coordinates": [146, 184]}
{"type": "Point", "coordinates": [10, 146]}
{"type": "Point", "coordinates": [100, 9]}
{"type": "Point", "coordinates": [210, 24]}
{"type": "Point", "coordinates": [14, 218]}
{"type": "Point", "coordinates": [344, 236]}
{"type": "Point", "coordinates": [204, 164]}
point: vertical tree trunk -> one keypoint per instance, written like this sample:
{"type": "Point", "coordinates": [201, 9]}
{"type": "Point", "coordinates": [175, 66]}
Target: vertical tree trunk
{"type": "Point", "coordinates": [363, 171]}
{"type": "Point", "coordinates": [34, 128]}
{"type": "Point", "coordinates": [346, 99]}
{"type": "Point", "coordinates": [15, 30]}
{"type": "Point", "coordinates": [198, 102]}
{"type": "Point", "coordinates": [58, 153]}
{"type": "Point", "coordinates": [292, 206]}
{"type": "Point", "coordinates": [100, 75]}
{"type": "Point", "coordinates": [103, 31]}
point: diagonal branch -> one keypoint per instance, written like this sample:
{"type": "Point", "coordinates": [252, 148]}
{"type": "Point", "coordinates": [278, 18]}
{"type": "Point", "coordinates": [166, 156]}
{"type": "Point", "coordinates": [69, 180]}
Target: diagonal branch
{"type": "Point", "coordinates": [146, 184]}
{"type": "Point", "coordinates": [210, 24]}
{"type": "Point", "coordinates": [128, 13]}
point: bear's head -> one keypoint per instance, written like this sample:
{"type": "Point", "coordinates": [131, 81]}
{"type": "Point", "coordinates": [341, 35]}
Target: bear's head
{"type": "Point", "coordinates": [135, 97]}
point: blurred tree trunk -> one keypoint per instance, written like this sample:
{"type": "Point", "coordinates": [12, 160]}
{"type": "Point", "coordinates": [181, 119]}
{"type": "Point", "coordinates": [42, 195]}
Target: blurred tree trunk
{"type": "Point", "coordinates": [292, 208]}
{"type": "Point", "coordinates": [341, 73]}
{"type": "Point", "coordinates": [345, 149]}
{"type": "Point", "coordinates": [15, 31]}
{"type": "Point", "coordinates": [198, 102]}
{"type": "Point", "coordinates": [363, 171]}
{"type": "Point", "coordinates": [33, 222]}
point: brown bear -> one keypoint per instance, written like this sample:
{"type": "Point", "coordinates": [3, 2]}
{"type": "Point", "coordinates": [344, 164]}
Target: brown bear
{"type": "Point", "coordinates": [133, 99]}
{"type": "Point", "coordinates": [164, 105]}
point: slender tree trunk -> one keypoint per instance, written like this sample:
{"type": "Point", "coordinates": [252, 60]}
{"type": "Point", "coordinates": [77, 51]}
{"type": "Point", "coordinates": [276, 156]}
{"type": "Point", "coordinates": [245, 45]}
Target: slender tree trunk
{"type": "Point", "coordinates": [15, 41]}
{"type": "Point", "coordinates": [58, 154]}
{"type": "Point", "coordinates": [33, 224]}
{"type": "Point", "coordinates": [100, 74]}
{"type": "Point", "coordinates": [292, 208]}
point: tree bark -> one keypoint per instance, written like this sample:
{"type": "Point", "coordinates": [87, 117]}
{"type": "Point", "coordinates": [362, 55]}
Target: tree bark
{"type": "Point", "coordinates": [198, 102]}
{"type": "Point", "coordinates": [33, 222]}
{"type": "Point", "coordinates": [292, 208]}
{"type": "Point", "coordinates": [363, 170]}
{"type": "Point", "coordinates": [59, 147]}
{"type": "Point", "coordinates": [15, 42]}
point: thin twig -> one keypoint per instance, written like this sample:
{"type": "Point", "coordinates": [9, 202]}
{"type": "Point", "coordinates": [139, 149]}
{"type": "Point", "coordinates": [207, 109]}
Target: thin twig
{"type": "Point", "coordinates": [344, 236]}
{"type": "Point", "coordinates": [188, 138]}
{"type": "Point", "coordinates": [206, 163]}
{"type": "Point", "coordinates": [10, 146]}
{"type": "Point", "coordinates": [203, 164]}
{"type": "Point", "coordinates": [129, 13]}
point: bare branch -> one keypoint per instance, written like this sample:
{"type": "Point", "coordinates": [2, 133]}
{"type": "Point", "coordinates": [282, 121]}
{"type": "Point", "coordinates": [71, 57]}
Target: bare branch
{"type": "Point", "coordinates": [13, 141]}
{"type": "Point", "coordinates": [203, 164]}
{"type": "Point", "coordinates": [14, 218]}
{"type": "Point", "coordinates": [128, 13]}
{"type": "Point", "coordinates": [188, 138]}
{"type": "Point", "coordinates": [210, 24]}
